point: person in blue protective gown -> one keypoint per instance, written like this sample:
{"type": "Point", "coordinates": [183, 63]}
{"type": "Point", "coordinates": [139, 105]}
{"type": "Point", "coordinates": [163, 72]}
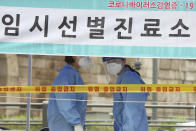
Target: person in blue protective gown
{"type": "Point", "coordinates": [130, 114]}
{"type": "Point", "coordinates": [68, 115]}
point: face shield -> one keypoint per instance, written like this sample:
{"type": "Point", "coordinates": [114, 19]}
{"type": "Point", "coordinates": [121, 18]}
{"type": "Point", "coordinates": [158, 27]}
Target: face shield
{"type": "Point", "coordinates": [112, 68]}
{"type": "Point", "coordinates": [84, 62]}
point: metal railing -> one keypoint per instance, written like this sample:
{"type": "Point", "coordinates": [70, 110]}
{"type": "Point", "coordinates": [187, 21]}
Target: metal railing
{"type": "Point", "coordinates": [44, 105]}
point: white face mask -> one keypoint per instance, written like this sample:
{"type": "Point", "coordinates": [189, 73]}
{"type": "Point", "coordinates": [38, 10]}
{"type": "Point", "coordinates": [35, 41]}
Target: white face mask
{"type": "Point", "coordinates": [114, 68]}
{"type": "Point", "coordinates": [84, 62]}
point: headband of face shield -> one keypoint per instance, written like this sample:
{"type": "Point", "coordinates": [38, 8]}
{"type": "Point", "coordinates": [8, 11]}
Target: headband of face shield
{"type": "Point", "coordinates": [105, 59]}
{"type": "Point", "coordinates": [84, 62]}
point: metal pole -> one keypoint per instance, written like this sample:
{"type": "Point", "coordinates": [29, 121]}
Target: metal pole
{"type": "Point", "coordinates": [44, 113]}
{"type": "Point", "coordinates": [195, 117]}
{"type": "Point", "coordinates": [154, 81]}
{"type": "Point", "coordinates": [29, 94]}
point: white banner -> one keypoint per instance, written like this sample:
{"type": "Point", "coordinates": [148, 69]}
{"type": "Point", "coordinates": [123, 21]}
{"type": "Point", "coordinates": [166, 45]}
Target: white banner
{"type": "Point", "coordinates": [98, 27]}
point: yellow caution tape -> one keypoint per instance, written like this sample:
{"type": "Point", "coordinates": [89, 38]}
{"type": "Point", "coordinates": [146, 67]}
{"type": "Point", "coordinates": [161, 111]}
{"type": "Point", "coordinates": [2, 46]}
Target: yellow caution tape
{"type": "Point", "coordinates": [123, 88]}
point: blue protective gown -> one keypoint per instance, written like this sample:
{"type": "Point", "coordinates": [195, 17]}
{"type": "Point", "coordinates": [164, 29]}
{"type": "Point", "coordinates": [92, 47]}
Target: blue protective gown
{"type": "Point", "coordinates": [63, 115]}
{"type": "Point", "coordinates": [130, 116]}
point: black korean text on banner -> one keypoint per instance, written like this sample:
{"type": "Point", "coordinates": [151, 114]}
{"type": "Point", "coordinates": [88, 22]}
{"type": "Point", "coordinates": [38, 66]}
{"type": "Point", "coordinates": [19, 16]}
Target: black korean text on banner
{"type": "Point", "coordinates": [151, 28]}
{"type": "Point", "coordinates": [69, 25]}
{"type": "Point", "coordinates": [98, 27]}
{"type": "Point", "coordinates": [36, 25]}
{"type": "Point", "coordinates": [122, 25]}
{"type": "Point", "coordinates": [177, 27]}
{"type": "Point", "coordinates": [12, 23]}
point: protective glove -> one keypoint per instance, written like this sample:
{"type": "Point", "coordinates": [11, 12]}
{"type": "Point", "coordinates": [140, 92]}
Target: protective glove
{"type": "Point", "coordinates": [78, 128]}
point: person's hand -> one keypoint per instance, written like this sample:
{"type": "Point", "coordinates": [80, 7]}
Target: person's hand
{"type": "Point", "coordinates": [78, 127]}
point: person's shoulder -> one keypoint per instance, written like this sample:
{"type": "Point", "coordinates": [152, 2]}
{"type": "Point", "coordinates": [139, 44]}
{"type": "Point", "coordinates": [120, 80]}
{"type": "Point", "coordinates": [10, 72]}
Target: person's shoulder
{"type": "Point", "coordinates": [68, 72]}
{"type": "Point", "coordinates": [67, 75]}
{"type": "Point", "coordinates": [68, 69]}
{"type": "Point", "coordinates": [132, 76]}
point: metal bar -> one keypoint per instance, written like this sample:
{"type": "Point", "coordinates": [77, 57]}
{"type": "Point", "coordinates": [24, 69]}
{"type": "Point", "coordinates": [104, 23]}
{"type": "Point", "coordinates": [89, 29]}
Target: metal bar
{"type": "Point", "coordinates": [154, 81]}
{"type": "Point", "coordinates": [168, 121]}
{"type": "Point", "coordinates": [149, 106]}
{"type": "Point", "coordinates": [150, 125]}
{"type": "Point", "coordinates": [185, 117]}
{"type": "Point", "coordinates": [19, 104]}
{"type": "Point", "coordinates": [29, 94]}
{"type": "Point", "coordinates": [107, 105]}
{"type": "Point", "coordinates": [24, 109]}
{"type": "Point", "coordinates": [20, 123]}
{"type": "Point", "coordinates": [171, 106]}
{"type": "Point", "coordinates": [44, 114]}
{"type": "Point", "coordinates": [150, 121]}
{"type": "Point", "coordinates": [100, 105]}
{"type": "Point", "coordinates": [102, 124]}
{"type": "Point", "coordinates": [98, 124]}
{"type": "Point", "coordinates": [99, 120]}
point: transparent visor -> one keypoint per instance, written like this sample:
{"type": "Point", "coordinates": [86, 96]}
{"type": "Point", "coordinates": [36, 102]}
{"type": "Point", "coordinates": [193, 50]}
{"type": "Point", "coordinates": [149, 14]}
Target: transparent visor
{"type": "Point", "coordinates": [107, 75]}
{"type": "Point", "coordinates": [110, 78]}
{"type": "Point", "coordinates": [84, 62]}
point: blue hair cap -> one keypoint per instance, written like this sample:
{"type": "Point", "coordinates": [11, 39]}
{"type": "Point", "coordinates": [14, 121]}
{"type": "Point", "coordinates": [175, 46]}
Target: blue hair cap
{"type": "Point", "coordinates": [111, 58]}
